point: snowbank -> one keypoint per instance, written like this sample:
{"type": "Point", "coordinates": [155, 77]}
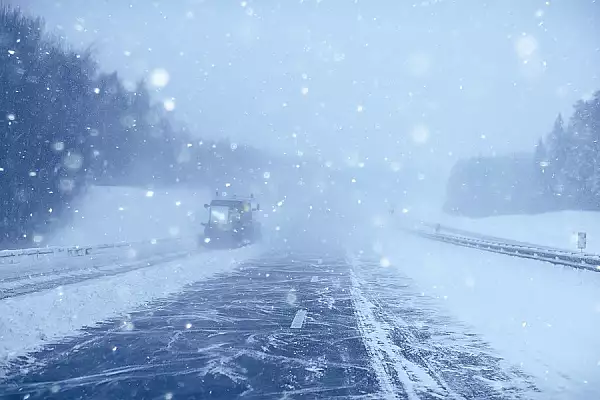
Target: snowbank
{"type": "Point", "coordinates": [558, 229]}
{"type": "Point", "coordinates": [29, 322]}
{"type": "Point", "coordinates": [542, 317]}
{"type": "Point", "coordinates": [107, 214]}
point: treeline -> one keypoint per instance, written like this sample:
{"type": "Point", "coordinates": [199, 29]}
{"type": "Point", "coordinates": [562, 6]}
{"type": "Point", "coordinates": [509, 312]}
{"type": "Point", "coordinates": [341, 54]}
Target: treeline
{"type": "Point", "coordinates": [64, 125]}
{"type": "Point", "coordinates": [563, 172]}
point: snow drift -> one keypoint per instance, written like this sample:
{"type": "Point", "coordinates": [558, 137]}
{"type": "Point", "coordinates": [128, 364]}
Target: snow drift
{"type": "Point", "coordinates": [543, 317]}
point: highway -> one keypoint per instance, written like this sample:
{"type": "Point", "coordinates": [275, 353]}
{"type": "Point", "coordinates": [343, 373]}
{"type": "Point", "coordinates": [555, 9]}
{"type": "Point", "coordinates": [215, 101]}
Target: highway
{"type": "Point", "coordinates": [291, 325]}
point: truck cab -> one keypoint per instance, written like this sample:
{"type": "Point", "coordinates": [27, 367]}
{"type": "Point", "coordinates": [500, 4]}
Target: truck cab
{"type": "Point", "coordinates": [231, 222]}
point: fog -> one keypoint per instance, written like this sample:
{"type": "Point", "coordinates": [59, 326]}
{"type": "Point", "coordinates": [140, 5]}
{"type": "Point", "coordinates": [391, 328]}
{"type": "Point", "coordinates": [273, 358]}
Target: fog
{"type": "Point", "coordinates": [420, 82]}
{"type": "Point", "coordinates": [403, 88]}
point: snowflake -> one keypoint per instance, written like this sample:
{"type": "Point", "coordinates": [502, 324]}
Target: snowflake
{"type": "Point", "coordinates": [169, 104]}
{"type": "Point", "coordinates": [159, 77]}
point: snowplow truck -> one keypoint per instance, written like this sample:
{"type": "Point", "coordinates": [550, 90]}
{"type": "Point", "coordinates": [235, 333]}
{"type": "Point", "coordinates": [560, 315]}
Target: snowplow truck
{"type": "Point", "coordinates": [231, 223]}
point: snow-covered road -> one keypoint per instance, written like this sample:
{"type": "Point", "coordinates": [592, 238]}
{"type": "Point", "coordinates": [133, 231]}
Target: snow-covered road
{"type": "Point", "coordinates": [286, 325]}
{"type": "Point", "coordinates": [42, 309]}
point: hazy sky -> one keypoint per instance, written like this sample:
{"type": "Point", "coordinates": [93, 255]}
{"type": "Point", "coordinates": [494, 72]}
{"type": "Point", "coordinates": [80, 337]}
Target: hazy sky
{"type": "Point", "coordinates": [423, 80]}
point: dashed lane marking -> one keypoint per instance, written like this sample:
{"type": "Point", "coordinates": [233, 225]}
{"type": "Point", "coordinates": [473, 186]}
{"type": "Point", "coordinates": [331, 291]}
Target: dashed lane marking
{"type": "Point", "coordinates": [298, 319]}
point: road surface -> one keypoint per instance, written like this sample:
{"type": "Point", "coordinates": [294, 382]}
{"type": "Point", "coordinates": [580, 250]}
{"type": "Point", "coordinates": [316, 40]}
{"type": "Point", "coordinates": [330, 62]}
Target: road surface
{"type": "Point", "coordinates": [289, 326]}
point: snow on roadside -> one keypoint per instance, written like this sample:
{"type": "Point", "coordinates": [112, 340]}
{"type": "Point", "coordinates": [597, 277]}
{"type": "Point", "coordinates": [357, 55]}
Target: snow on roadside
{"type": "Point", "coordinates": [556, 229]}
{"type": "Point", "coordinates": [29, 322]}
{"type": "Point", "coordinates": [543, 317]}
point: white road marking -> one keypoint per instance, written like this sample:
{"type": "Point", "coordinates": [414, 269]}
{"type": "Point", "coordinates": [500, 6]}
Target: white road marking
{"type": "Point", "coordinates": [298, 319]}
{"type": "Point", "coordinates": [314, 279]}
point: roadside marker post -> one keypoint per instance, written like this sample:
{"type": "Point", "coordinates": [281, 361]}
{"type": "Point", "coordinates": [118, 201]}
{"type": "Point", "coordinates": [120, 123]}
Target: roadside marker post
{"type": "Point", "coordinates": [581, 241]}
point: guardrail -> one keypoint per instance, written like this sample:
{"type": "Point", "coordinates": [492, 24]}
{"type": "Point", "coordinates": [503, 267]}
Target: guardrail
{"type": "Point", "coordinates": [76, 251]}
{"type": "Point", "coordinates": [16, 264]}
{"type": "Point", "coordinates": [30, 270]}
{"type": "Point", "coordinates": [586, 261]}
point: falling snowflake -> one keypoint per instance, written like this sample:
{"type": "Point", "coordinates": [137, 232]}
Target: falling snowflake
{"type": "Point", "coordinates": [159, 78]}
{"type": "Point", "coordinates": [291, 297]}
{"type": "Point", "coordinates": [526, 46]}
{"type": "Point", "coordinates": [420, 134]}
{"type": "Point", "coordinates": [169, 104]}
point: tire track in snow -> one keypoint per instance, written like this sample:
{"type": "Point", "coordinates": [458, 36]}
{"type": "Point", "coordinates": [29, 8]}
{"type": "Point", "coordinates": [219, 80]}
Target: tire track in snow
{"type": "Point", "coordinates": [379, 346]}
{"type": "Point", "coordinates": [391, 367]}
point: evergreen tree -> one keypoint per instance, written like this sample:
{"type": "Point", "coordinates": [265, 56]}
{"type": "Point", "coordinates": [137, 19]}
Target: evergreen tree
{"type": "Point", "coordinates": [557, 147]}
{"type": "Point", "coordinates": [64, 125]}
